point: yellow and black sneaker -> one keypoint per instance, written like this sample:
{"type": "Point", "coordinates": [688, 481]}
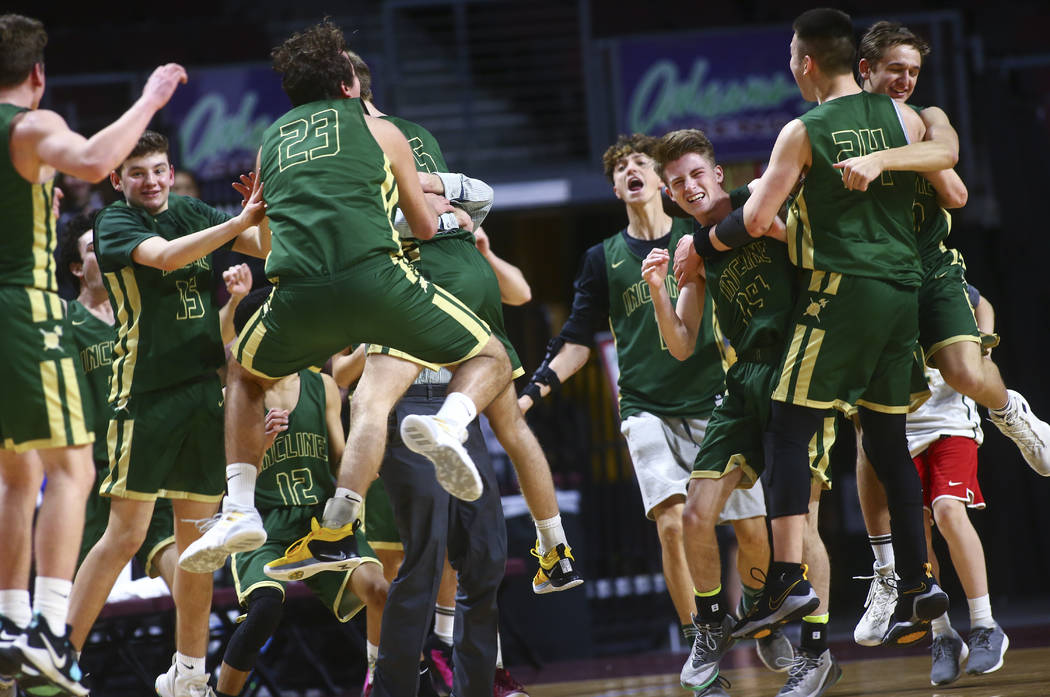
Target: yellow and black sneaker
{"type": "Point", "coordinates": [787, 596]}
{"type": "Point", "coordinates": [557, 571]}
{"type": "Point", "coordinates": [918, 603]}
{"type": "Point", "coordinates": [321, 549]}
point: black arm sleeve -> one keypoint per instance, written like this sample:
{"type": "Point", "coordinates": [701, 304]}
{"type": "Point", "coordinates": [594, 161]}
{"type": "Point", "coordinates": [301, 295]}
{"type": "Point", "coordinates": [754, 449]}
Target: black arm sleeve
{"type": "Point", "coordinates": [590, 303]}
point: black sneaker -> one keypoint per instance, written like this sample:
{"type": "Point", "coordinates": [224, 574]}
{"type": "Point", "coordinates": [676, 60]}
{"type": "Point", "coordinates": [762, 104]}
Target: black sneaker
{"type": "Point", "coordinates": [917, 604]}
{"type": "Point", "coordinates": [784, 599]}
{"type": "Point", "coordinates": [557, 570]}
{"type": "Point", "coordinates": [50, 656]}
{"type": "Point", "coordinates": [426, 684]}
{"type": "Point", "coordinates": [10, 657]}
{"type": "Point", "coordinates": [438, 657]}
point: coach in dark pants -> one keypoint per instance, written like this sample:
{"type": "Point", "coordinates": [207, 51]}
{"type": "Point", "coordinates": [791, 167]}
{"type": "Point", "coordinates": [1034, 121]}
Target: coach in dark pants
{"type": "Point", "coordinates": [428, 519]}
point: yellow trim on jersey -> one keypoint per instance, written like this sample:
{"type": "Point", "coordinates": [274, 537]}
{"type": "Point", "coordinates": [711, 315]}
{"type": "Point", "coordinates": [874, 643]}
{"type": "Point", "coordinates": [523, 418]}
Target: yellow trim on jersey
{"type": "Point", "coordinates": [128, 304]}
{"type": "Point", "coordinates": [820, 452]}
{"type": "Point", "coordinates": [389, 194]}
{"type": "Point", "coordinates": [748, 474]}
{"type": "Point", "coordinates": [150, 570]}
{"type": "Point", "coordinates": [61, 401]}
{"type": "Point", "coordinates": [71, 400]}
{"type": "Point", "coordinates": [341, 593]}
{"type": "Point", "coordinates": [883, 408]}
{"type": "Point", "coordinates": [388, 546]}
{"type": "Point", "coordinates": [809, 361]}
{"type": "Point", "coordinates": [826, 282]}
{"type": "Point", "coordinates": [44, 305]}
{"type": "Point", "coordinates": [118, 446]}
{"type": "Point", "coordinates": [43, 237]}
{"type": "Point", "coordinates": [799, 217]}
{"type": "Point", "coordinates": [948, 342]}
{"type": "Point", "coordinates": [243, 593]}
{"type": "Point", "coordinates": [781, 392]}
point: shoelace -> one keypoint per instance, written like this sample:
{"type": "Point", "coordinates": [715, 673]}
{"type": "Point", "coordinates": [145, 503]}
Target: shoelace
{"type": "Point", "coordinates": [885, 584]}
{"type": "Point", "coordinates": [1021, 431]}
{"type": "Point", "coordinates": [942, 649]}
{"type": "Point", "coordinates": [801, 665]}
{"type": "Point", "coordinates": [204, 524]}
{"type": "Point", "coordinates": [981, 638]}
{"type": "Point", "coordinates": [706, 641]}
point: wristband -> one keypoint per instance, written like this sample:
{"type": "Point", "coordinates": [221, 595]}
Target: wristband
{"type": "Point", "coordinates": [547, 377]}
{"type": "Point", "coordinates": [732, 232]}
{"type": "Point", "coordinates": [532, 390]}
{"type": "Point", "coordinates": [702, 242]}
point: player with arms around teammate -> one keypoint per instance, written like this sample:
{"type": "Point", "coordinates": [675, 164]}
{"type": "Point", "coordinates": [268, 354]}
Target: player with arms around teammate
{"type": "Point", "coordinates": [856, 321]}
{"type": "Point", "coordinates": [333, 177]}
{"type": "Point", "coordinates": [154, 249]}
{"type": "Point", "coordinates": [664, 403]}
{"type": "Point", "coordinates": [43, 432]}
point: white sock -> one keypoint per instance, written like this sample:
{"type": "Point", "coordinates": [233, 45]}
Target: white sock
{"type": "Point", "coordinates": [51, 601]}
{"type": "Point", "coordinates": [1010, 406]}
{"type": "Point", "coordinates": [240, 484]}
{"type": "Point", "coordinates": [373, 653]}
{"type": "Point", "coordinates": [550, 533]}
{"type": "Point", "coordinates": [980, 612]}
{"type": "Point", "coordinates": [882, 547]}
{"type": "Point", "coordinates": [14, 605]}
{"type": "Point", "coordinates": [445, 623]}
{"type": "Point", "coordinates": [188, 665]}
{"type": "Point", "coordinates": [457, 411]}
{"type": "Point", "coordinates": [499, 652]}
{"type": "Point", "coordinates": [344, 507]}
{"type": "Point", "coordinates": [941, 625]}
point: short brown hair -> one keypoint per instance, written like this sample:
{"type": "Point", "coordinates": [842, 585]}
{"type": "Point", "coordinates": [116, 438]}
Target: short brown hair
{"type": "Point", "coordinates": [884, 35]}
{"type": "Point", "coordinates": [623, 147]}
{"type": "Point", "coordinates": [826, 35]}
{"type": "Point", "coordinates": [22, 41]}
{"type": "Point", "coordinates": [364, 75]}
{"type": "Point", "coordinates": [149, 143]}
{"type": "Point", "coordinates": [676, 144]}
{"type": "Point", "coordinates": [312, 64]}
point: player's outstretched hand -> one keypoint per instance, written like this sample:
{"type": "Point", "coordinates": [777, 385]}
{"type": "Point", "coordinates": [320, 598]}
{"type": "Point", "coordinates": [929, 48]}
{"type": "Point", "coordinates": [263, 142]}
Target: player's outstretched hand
{"type": "Point", "coordinates": [238, 280]}
{"type": "Point", "coordinates": [253, 208]}
{"type": "Point", "coordinates": [162, 83]}
{"type": "Point", "coordinates": [858, 172]}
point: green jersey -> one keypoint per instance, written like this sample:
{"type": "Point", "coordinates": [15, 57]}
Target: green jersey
{"type": "Point", "coordinates": [429, 157]}
{"type": "Point", "coordinates": [329, 191]}
{"type": "Point", "coordinates": [651, 379]}
{"type": "Point", "coordinates": [861, 233]}
{"type": "Point", "coordinates": [94, 340]}
{"type": "Point", "coordinates": [167, 321]}
{"type": "Point", "coordinates": [27, 245]}
{"type": "Point", "coordinates": [295, 469]}
{"type": "Point", "coordinates": [754, 289]}
{"type": "Point", "coordinates": [932, 223]}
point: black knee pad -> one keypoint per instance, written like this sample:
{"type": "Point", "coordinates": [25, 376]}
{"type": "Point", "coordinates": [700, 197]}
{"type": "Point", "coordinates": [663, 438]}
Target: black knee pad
{"type": "Point", "coordinates": [787, 476]}
{"type": "Point", "coordinates": [265, 607]}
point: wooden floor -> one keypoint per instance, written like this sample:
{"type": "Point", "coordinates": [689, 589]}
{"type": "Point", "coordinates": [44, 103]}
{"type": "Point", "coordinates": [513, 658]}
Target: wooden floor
{"type": "Point", "coordinates": [1026, 673]}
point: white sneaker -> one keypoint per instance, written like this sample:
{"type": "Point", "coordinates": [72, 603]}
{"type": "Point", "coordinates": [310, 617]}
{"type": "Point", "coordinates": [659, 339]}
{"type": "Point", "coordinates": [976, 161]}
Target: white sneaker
{"type": "Point", "coordinates": [172, 684]}
{"type": "Point", "coordinates": [811, 675]}
{"type": "Point", "coordinates": [1029, 433]}
{"type": "Point", "coordinates": [235, 529]}
{"type": "Point", "coordinates": [454, 469]}
{"type": "Point", "coordinates": [882, 598]}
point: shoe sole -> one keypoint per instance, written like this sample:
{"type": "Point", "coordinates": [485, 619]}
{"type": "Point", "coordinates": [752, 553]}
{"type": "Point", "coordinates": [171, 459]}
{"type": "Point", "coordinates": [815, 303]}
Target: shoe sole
{"type": "Point", "coordinates": [206, 560]}
{"type": "Point", "coordinates": [545, 588]}
{"type": "Point", "coordinates": [308, 569]}
{"type": "Point", "coordinates": [453, 468]}
{"type": "Point", "coordinates": [759, 631]}
{"type": "Point", "coordinates": [52, 677]}
{"type": "Point", "coordinates": [775, 668]}
{"type": "Point", "coordinates": [997, 666]}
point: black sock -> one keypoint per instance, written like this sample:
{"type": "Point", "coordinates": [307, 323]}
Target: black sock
{"type": "Point", "coordinates": [710, 608]}
{"type": "Point", "coordinates": [781, 573]}
{"type": "Point", "coordinates": [814, 636]}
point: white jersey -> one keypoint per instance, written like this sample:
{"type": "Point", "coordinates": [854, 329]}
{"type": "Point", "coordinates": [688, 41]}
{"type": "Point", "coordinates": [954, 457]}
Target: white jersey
{"type": "Point", "coordinates": [945, 413]}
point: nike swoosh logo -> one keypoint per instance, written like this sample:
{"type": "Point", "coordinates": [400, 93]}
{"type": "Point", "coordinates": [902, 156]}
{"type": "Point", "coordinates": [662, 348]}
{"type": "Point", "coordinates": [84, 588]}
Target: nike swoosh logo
{"type": "Point", "coordinates": [60, 664]}
{"type": "Point", "coordinates": [951, 483]}
{"type": "Point", "coordinates": [775, 603]}
{"type": "Point", "coordinates": [77, 324]}
{"type": "Point", "coordinates": [4, 636]}
{"type": "Point", "coordinates": [618, 263]}
{"type": "Point", "coordinates": [920, 589]}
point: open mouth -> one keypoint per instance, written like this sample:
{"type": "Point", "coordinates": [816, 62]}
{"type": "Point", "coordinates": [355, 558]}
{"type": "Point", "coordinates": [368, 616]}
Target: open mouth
{"type": "Point", "coordinates": [696, 197]}
{"type": "Point", "coordinates": [635, 184]}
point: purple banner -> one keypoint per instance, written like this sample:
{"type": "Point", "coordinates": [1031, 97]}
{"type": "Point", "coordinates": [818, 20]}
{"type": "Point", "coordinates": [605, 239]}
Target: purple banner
{"type": "Point", "coordinates": [735, 87]}
{"type": "Point", "coordinates": [218, 119]}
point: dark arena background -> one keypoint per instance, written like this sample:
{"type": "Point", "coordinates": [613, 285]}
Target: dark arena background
{"type": "Point", "coordinates": [527, 96]}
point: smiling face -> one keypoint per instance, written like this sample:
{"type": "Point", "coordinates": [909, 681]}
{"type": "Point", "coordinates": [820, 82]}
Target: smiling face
{"type": "Point", "coordinates": [895, 75]}
{"type": "Point", "coordinates": [145, 181]}
{"type": "Point", "coordinates": [695, 184]}
{"type": "Point", "coordinates": [634, 178]}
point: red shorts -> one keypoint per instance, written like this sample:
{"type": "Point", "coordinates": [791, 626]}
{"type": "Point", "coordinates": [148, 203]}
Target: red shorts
{"type": "Point", "coordinates": [948, 468]}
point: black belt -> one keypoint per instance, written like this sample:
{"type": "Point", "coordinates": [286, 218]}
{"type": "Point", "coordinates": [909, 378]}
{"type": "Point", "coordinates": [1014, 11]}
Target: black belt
{"type": "Point", "coordinates": [430, 390]}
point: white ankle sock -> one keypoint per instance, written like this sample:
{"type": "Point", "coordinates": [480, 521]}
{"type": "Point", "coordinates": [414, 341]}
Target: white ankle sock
{"type": "Point", "coordinates": [344, 507]}
{"type": "Point", "coordinates": [550, 533]}
{"type": "Point", "coordinates": [188, 665]}
{"type": "Point", "coordinates": [941, 625]}
{"type": "Point", "coordinates": [458, 410]}
{"type": "Point", "coordinates": [445, 623]}
{"type": "Point", "coordinates": [240, 484]}
{"type": "Point", "coordinates": [51, 601]}
{"type": "Point", "coordinates": [882, 547]}
{"type": "Point", "coordinates": [14, 605]}
{"type": "Point", "coordinates": [980, 612]}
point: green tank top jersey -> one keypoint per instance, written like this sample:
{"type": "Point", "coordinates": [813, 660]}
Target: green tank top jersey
{"type": "Point", "coordinates": [861, 233]}
{"type": "Point", "coordinates": [295, 469]}
{"type": "Point", "coordinates": [94, 340]}
{"type": "Point", "coordinates": [27, 245]}
{"type": "Point", "coordinates": [651, 379]}
{"type": "Point", "coordinates": [932, 223]}
{"type": "Point", "coordinates": [167, 322]}
{"type": "Point", "coordinates": [329, 191]}
{"type": "Point", "coordinates": [754, 288]}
